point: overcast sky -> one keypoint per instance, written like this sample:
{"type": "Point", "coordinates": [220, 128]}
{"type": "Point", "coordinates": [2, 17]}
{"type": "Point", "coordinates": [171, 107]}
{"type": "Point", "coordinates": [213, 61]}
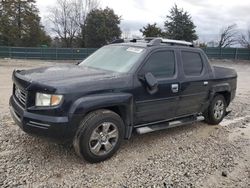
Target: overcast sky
{"type": "Point", "coordinates": [208, 15]}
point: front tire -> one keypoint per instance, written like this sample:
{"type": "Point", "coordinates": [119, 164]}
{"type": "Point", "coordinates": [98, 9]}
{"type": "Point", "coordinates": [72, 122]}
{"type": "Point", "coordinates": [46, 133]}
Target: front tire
{"type": "Point", "coordinates": [99, 136]}
{"type": "Point", "coordinates": [216, 110]}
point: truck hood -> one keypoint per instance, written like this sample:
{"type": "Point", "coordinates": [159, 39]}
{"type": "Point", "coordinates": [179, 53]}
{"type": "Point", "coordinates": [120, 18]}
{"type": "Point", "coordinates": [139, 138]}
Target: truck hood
{"type": "Point", "coordinates": [72, 77]}
{"type": "Point", "coordinates": [63, 73]}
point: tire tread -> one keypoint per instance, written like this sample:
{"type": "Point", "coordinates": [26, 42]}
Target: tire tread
{"type": "Point", "coordinates": [84, 128]}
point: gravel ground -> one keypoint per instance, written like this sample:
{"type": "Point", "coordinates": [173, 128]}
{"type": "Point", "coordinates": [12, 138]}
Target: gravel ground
{"type": "Point", "coordinates": [196, 155]}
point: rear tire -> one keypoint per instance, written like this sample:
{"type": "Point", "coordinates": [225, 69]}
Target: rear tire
{"type": "Point", "coordinates": [216, 110]}
{"type": "Point", "coordinates": [99, 136]}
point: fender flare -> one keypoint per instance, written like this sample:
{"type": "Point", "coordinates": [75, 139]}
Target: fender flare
{"type": "Point", "coordinates": [223, 87]}
{"type": "Point", "coordinates": [124, 101]}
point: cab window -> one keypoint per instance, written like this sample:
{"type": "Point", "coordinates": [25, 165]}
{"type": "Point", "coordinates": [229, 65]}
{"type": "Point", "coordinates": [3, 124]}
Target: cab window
{"type": "Point", "coordinates": [161, 64]}
{"type": "Point", "coordinates": [192, 63]}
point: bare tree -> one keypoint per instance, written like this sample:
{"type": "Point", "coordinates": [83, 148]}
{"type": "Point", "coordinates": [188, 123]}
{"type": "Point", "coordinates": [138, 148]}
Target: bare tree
{"type": "Point", "coordinates": [228, 36]}
{"type": "Point", "coordinates": [244, 40]}
{"type": "Point", "coordinates": [68, 17]}
{"type": "Point", "coordinates": [87, 6]}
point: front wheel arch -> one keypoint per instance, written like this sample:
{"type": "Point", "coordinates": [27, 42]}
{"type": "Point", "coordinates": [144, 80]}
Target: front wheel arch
{"type": "Point", "coordinates": [86, 128]}
{"type": "Point", "coordinates": [124, 111]}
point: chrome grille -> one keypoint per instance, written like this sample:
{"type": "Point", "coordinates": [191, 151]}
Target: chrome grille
{"type": "Point", "coordinates": [20, 95]}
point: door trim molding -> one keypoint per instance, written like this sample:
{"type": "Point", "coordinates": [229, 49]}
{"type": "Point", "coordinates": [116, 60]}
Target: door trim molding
{"type": "Point", "coordinates": [156, 100]}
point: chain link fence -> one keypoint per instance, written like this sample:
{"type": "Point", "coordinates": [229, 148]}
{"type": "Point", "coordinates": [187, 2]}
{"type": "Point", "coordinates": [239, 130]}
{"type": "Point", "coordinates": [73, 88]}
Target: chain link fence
{"type": "Point", "coordinates": [228, 53]}
{"type": "Point", "coordinates": [81, 53]}
{"type": "Point", "coordinates": [45, 53]}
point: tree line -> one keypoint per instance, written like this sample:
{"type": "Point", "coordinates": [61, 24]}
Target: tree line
{"type": "Point", "coordinates": [71, 23]}
{"type": "Point", "coordinates": [20, 24]}
{"type": "Point", "coordinates": [179, 26]}
{"type": "Point", "coordinates": [82, 23]}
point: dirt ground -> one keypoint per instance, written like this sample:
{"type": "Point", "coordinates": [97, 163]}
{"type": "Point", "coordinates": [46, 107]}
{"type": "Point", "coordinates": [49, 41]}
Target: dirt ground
{"type": "Point", "coordinates": [196, 155]}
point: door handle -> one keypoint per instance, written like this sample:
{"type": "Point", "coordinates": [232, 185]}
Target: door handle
{"type": "Point", "coordinates": [205, 83]}
{"type": "Point", "coordinates": [175, 88]}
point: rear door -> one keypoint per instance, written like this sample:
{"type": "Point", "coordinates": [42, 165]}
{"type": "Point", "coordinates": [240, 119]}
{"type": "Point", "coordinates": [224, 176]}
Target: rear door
{"type": "Point", "coordinates": [194, 84]}
{"type": "Point", "coordinates": [162, 104]}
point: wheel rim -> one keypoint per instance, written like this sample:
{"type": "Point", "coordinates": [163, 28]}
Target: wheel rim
{"type": "Point", "coordinates": [104, 138]}
{"type": "Point", "coordinates": [218, 109]}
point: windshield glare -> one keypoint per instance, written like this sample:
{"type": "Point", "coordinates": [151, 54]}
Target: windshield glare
{"type": "Point", "coordinates": [114, 58]}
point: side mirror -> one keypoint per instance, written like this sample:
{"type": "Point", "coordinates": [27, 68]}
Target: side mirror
{"type": "Point", "coordinates": [152, 83]}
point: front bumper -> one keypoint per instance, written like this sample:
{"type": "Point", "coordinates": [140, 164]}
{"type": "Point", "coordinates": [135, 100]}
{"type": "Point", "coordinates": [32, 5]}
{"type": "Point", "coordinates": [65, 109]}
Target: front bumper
{"type": "Point", "coordinates": [51, 126]}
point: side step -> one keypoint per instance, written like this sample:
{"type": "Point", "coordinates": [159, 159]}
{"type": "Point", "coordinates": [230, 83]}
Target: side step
{"type": "Point", "coordinates": [170, 124]}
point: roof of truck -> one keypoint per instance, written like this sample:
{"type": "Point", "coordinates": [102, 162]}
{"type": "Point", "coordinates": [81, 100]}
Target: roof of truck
{"type": "Point", "coordinates": [150, 41]}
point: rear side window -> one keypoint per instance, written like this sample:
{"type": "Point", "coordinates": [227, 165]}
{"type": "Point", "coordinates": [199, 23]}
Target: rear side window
{"type": "Point", "coordinates": [161, 64]}
{"type": "Point", "coordinates": [192, 63]}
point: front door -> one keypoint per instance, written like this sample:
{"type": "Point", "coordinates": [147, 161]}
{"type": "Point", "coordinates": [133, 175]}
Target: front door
{"type": "Point", "coordinates": [161, 105]}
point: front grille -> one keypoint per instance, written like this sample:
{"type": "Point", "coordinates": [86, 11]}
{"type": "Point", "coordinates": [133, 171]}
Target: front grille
{"type": "Point", "coordinates": [20, 95]}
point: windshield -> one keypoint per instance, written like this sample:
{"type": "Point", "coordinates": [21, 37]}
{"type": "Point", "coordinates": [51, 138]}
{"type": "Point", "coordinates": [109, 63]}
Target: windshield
{"type": "Point", "coordinates": [114, 58]}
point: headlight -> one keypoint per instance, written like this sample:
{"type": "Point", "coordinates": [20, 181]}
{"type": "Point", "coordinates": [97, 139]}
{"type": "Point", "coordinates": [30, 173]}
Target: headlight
{"type": "Point", "coordinates": [43, 99]}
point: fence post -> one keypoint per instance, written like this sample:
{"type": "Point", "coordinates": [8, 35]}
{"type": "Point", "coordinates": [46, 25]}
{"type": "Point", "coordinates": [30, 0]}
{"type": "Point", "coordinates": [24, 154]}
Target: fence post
{"type": "Point", "coordinates": [220, 53]}
{"type": "Point", "coordinates": [249, 53]}
{"type": "Point", "coordinates": [10, 52]}
{"type": "Point", "coordinates": [26, 53]}
{"type": "Point", "coordinates": [236, 54]}
{"type": "Point", "coordinates": [41, 53]}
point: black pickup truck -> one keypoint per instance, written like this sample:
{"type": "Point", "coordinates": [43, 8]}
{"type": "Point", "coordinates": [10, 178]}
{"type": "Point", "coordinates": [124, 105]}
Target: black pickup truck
{"type": "Point", "coordinates": [120, 89]}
